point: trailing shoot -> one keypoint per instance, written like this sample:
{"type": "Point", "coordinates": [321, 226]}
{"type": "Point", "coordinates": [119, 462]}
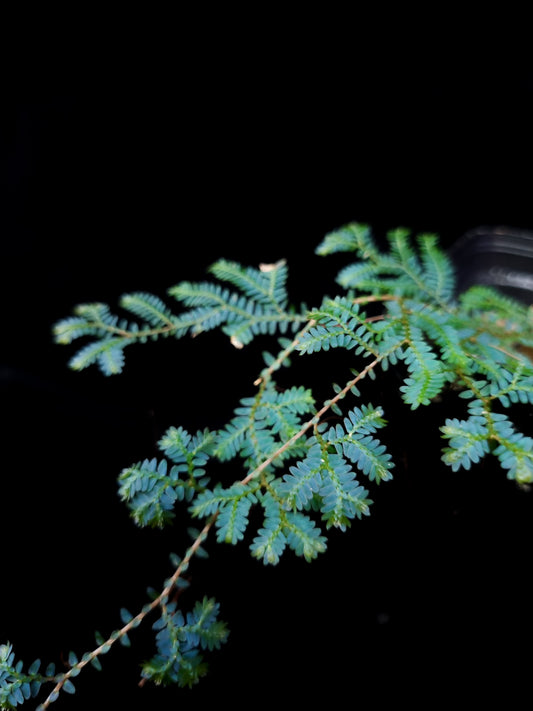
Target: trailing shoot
{"type": "Point", "coordinates": [302, 464]}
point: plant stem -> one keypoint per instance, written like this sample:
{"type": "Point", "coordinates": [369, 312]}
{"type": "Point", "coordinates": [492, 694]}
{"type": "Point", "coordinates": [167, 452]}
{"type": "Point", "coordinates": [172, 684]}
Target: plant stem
{"type": "Point", "coordinates": [327, 405]}
{"type": "Point", "coordinates": [135, 621]}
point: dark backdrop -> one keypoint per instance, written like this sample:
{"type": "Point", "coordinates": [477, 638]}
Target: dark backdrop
{"type": "Point", "coordinates": [138, 180]}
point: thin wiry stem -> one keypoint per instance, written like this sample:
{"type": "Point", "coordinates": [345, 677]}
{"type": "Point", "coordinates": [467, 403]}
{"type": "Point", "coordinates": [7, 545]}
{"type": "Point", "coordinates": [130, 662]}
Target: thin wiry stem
{"type": "Point", "coordinates": [135, 621]}
{"type": "Point", "coordinates": [313, 421]}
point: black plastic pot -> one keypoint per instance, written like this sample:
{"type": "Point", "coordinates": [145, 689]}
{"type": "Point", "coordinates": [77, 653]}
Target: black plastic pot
{"type": "Point", "coordinates": [501, 257]}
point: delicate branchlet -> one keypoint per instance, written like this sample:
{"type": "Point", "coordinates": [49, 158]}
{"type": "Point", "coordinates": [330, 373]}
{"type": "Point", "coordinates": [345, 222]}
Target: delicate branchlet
{"type": "Point", "coordinates": [302, 463]}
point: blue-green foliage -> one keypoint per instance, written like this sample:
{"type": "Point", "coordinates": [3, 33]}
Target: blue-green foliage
{"type": "Point", "coordinates": [283, 528]}
{"type": "Point", "coordinates": [353, 439]}
{"type": "Point", "coordinates": [325, 480]}
{"type": "Point", "coordinates": [152, 487]}
{"type": "Point", "coordinates": [486, 431]}
{"type": "Point", "coordinates": [474, 341]}
{"type": "Point", "coordinates": [295, 463]}
{"type": "Point", "coordinates": [262, 424]}
{"type": "Point", "coordinates": [402, 270]}
{"type": "Point", "coordinates": [340, 323]}
{"type": "Point", "coordinates": [261, 307]}
{"type": "Point", "coordinates": [16, 685]}
{"type": "Point", "coordinates": [232, 504]}
{"type": "Point", "coordinates": [180, 641]}
{"type": "Point", "coordinates": [258, 306]}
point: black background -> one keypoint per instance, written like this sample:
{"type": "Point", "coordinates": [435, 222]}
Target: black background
{"type": "Point", "coordinates": [140, 175]}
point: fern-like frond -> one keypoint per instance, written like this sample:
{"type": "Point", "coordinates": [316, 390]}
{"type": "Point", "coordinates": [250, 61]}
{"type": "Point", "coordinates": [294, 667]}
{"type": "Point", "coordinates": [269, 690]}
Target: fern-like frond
{"type": "Point", "coordinates": [497, 315]}
{"type": "Point", "coordinates": [151, 309]}
{"type": "Point", "coordinates": [303, 536]}
{"type": "Point", "coordinates": [240, 317]}
{"type": "Point", "coordinates": [518, 390]}
{"type": "Point", "coordinates": [180, 641]}
{"type": "Point", "coordinates": [514, 451]}
{"type": "Point", "coordinates": [265, 285]}
{"type": "Point", "coordinates": [505, 385]}
{"type": "Point", "coordinates": [340, 324]}
{"type": "Point", "coordinates": [368, 277]}
{"type": "Point", "coordinates": [427, 376]}
{"type": "Point", "coordinates": [355, 442]}
{"type": "Point", "coordinates": [107, 353]}
{"type": "Point", "coordinates": [343, 498]}
{"type": "Point", "coordinates": [468, 442]}
{"type": "Point", "coordinates": [353, 237]}
{"type": "Point", "coordinates": [299, 487]}
{"type": "Point", "coordinates": [150, 491]}
{"type": "Point", "coordinates": [263, 424]}
{"type": "Point", "coordinates": [364, 420]}
{"type": "Point", "coordinates": [282, 411]}
{"type": "Point", "coordinates": [270, 541]}
{"type": "Point", "coordinates": [233, 520]}
{"type": "Point", "coordinates": [438, 270]}
{"type": "Point", "coordinates": [230, 440]}
{"type": "Point", "coordinates": [325, 480]}
{"type": "Point", "coordinates": [403, 270]}
{"type": "Point", "coordinates": [110, 333]}
{"type": "Point", "coordinates": [189, 453]}
{"type": "Point", "coordinates": [232, 506]}
{"type": "Point", "coordinates": [482, 299]}
{"type": "Point", "coordinates": [259, 307]}
{"type": "Point", "coordinates": [444, 330]}
{"type": "Point", "coordinates": [90, 320]}
{"type": "Point", "coordinates": [281, 529]}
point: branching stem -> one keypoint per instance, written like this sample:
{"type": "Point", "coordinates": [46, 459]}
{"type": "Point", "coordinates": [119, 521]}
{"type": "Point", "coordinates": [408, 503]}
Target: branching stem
{"type": "Point", "coordinates": [327, 405]}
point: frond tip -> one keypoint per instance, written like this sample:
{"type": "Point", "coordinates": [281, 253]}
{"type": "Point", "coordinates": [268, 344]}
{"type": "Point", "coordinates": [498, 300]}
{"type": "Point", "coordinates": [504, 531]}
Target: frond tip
{"type": "Point", "coordinates": [181, 639]}
{"type": "Point", "coordinates": [281, 529]}
{"type": "Point", "coordinates": [402, 270]}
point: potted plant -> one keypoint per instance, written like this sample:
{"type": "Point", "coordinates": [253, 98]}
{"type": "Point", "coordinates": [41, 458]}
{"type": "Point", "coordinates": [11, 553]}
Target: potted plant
{"type": "Point", "coordinates": [397, 376]}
